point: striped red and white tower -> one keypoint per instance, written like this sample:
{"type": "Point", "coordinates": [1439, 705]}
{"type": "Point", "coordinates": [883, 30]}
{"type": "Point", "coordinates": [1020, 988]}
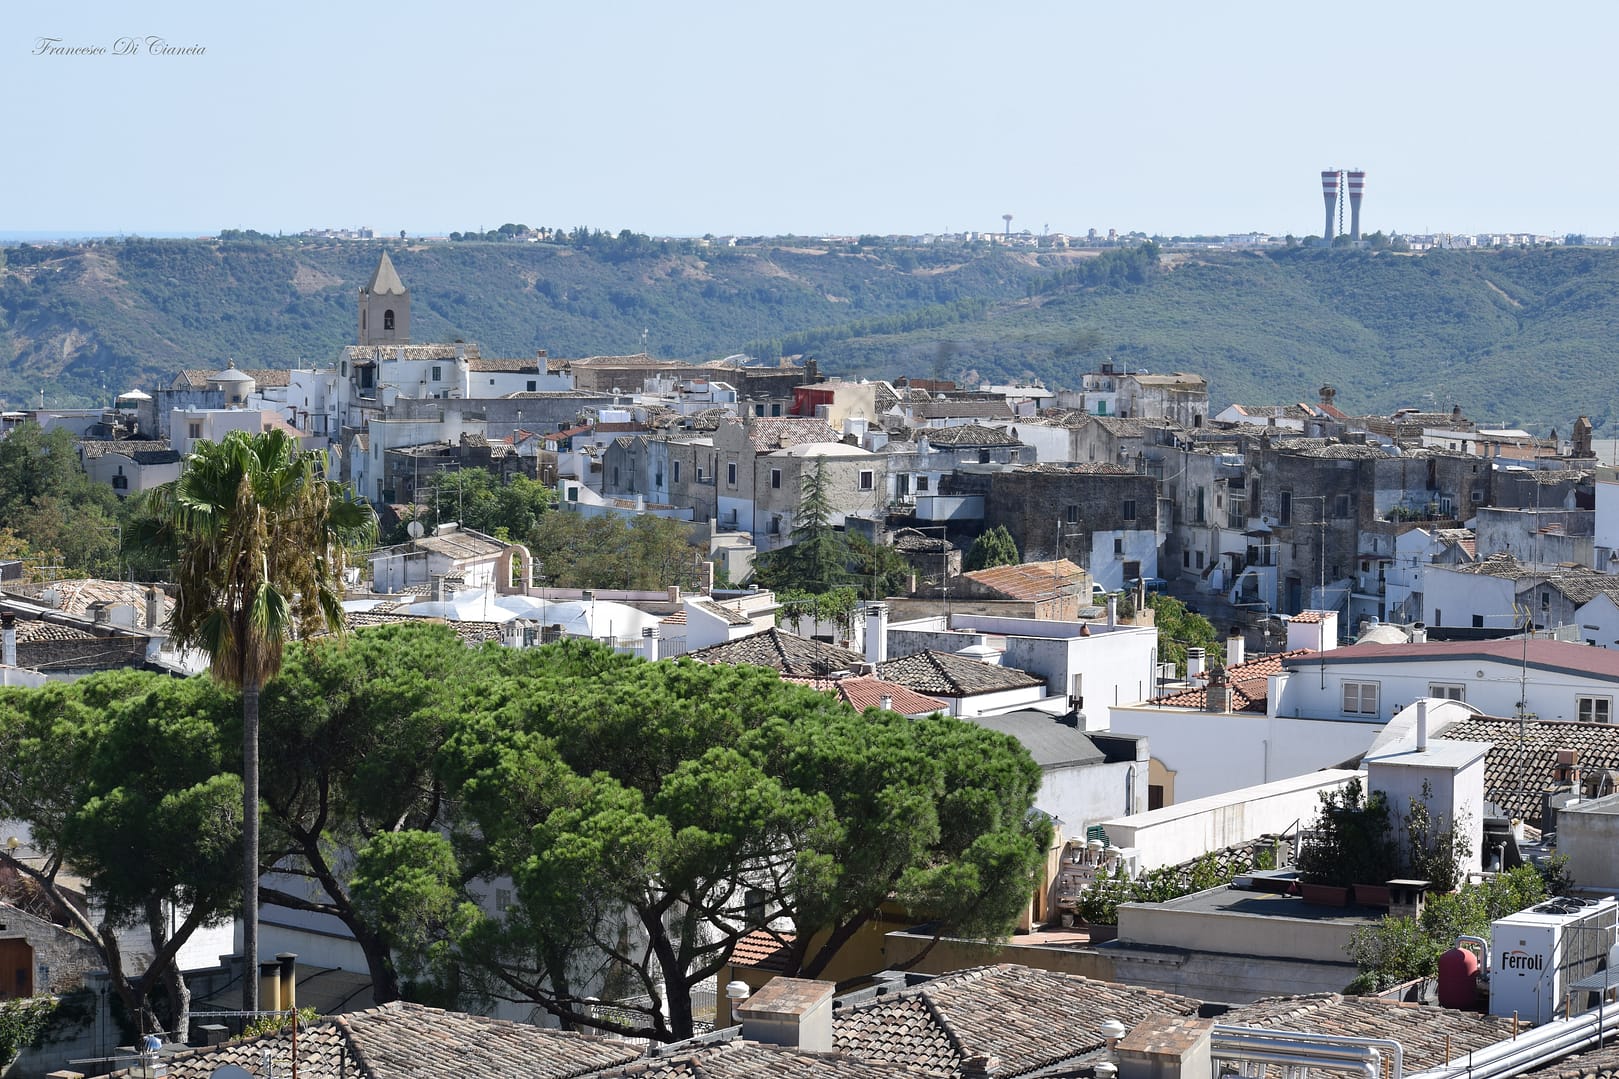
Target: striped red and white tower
{"type": "Point", "coordinates": [1357, 187]}
{"type": "Point", "coordinates": [1329, 193]}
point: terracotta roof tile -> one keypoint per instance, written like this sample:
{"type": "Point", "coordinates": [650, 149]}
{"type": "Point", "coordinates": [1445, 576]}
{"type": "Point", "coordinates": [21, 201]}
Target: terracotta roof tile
{"type": "Point", "coordinates": [1514, 782]}
{"type": "Point", "coordinates": [1250, 685]}
{"type": "Point", "coordinates": [1031, 580]}
{"type": "Point", "coordinates": [1424, 1032]}
{"type": "Point", "coordinates": [1027, 1018]}
{"type": "Point", "coordinates": [516, 366]}
{"type": "Point", "coordinates": [863, 693]}
{"type": "Point", "coordinates": [410, 1041]}
{"type": "Point", "coordinates": [969, 434]}
{"type": "Point", "coordinates": [749, 1060]}
{"type": "Point", "coordinates": [730, 615]}
{"type": "Point", "coordinates": [762, 950]}
{"type": "Point", "coordinates": [784, 652]}
{"type": "Point", "coordinates": [775, 433]}
{"type": "Point", "coordinates": [944, 674]}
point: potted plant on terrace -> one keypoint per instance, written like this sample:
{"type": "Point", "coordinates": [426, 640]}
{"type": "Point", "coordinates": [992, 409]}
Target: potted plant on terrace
{"type": "Point", "coordinates": [1349, 843]}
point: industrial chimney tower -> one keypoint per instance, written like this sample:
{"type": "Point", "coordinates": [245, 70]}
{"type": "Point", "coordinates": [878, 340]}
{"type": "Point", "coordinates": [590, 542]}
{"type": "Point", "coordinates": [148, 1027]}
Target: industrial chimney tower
{"type": "Point", "coordinates": [1357, 186]}
{"type": "Point", "coordinates": [1329, 194]}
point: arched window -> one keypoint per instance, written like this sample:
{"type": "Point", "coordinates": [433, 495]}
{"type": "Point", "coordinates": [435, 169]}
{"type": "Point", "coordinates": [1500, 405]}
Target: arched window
{"type": "Point", "coordinates": [1130, 791]}
{"type": "Point", "coordinates": [388, 319]}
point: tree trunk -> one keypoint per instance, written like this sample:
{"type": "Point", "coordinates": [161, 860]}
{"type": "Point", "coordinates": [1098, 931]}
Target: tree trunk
{"type": "Point", "coordinates": [250, 846]}
{"type": "Point", "coordinates": [174, 983]}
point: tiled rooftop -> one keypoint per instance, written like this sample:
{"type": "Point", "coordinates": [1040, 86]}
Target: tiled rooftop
{"type": "Point", "coordinates": [410, 1041]}
{"type": "Point", "coordinates": [970, 434]}
{"type": "Point", "coordinates": [1596, 1064]}
{"type": "Point", "coordinates": [776, 433]}
{"type": "Point", "coordinates": [1031, 580]}
{"type": "Point", "coordinates": [517, 365]}
{"type": "Point", "coordinates": [197, 379]}
{"type": "Point", "coordinates": [92, 448]}
{"type": "Point", "coordinates": [784, 652]}
{"type": "Point", "coordinates": [1249, 682]}
{"type": "Point", "coordinates": [1423, 1032]}
{"type": "Point", "coordinates": [762, 950]}
{"type": "Point", "coordinates": [1027, 1018]}
{"type": "Point", "coordinates": [749, 1060]}
{"type": "Point", "coordinates": [863, 693]}
{"type": "Point", "coordinates": [943, 674]}
{"type": "Point", "coordinates": [31, 630]}
{"type": "Point", "coordinates": [1514, 781]}
{"type": "Point", "coordinates": [729, 615]}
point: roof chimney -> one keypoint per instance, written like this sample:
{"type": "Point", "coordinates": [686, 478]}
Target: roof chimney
{"type": "Point", "coordinates": [1194, 663]}
{"type": "Point", "coordinates": [1422, 725]}
{"type": "Point", "coordinates": [270, 986]}
{"type": "Point", "coordinates": [877, 633]}
{"type": "Point", "coordinates": [1166, 1047]}
{"type": "Point", "coordinates": [1219, 691]}
{"type": "Point", "coordinates": [8, 639]}
{"type": "Point", "coordinates": [794, 1012]}
{"type": "Point", "coordinates": [1235, 649]}
{"type": "Point", "coordinates": [154, 607]}
{"type": "Point", "coordinates": [288, 962]}
{"type": "Point", "coordinates": [886, 702]}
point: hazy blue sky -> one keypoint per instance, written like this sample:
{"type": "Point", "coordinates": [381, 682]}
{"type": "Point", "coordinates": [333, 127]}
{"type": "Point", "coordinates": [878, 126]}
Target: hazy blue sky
{"type": "Point", "coordinates": [771, 117]}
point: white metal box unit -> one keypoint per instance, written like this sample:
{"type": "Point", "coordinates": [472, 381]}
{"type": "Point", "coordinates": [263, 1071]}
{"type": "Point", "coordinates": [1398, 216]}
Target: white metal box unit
{"type": "Point", "coordinates": [1536, 954]}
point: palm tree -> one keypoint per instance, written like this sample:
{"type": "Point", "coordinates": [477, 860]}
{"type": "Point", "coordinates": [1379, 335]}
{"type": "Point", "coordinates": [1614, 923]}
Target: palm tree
{"type": "Point", "coordinates": [260, 536]}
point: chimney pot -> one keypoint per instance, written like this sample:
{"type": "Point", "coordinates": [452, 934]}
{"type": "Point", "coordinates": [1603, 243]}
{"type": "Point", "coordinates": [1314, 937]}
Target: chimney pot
{"type": "Point", "coordinates": [288, 962]}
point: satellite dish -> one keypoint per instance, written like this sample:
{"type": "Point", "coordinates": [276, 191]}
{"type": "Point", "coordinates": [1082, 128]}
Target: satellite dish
{"type": "Point", "coordinates": [415, 529]}
{"type": "Point", "coordinates": [230, 1071]}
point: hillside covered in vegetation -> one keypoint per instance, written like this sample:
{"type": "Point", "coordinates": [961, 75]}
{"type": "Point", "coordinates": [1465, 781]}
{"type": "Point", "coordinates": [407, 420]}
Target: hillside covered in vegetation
{"type": "Point", "coordinates": [1524, 336]}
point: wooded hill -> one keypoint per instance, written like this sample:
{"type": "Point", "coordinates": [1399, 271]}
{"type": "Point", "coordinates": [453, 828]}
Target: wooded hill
{"type": "Point", "coordinates": [1525, 337]}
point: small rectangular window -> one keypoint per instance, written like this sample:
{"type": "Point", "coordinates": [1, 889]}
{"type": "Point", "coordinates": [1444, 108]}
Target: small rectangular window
{"type": "Point", "coordinates": [1118, 545]}
{"type": "Point", "coordinates": [1360, 698]}
{"type": "Point", "coordinates": [677, 471]}
{"type": "Point", "coordinates": [1340, 506]}
{"type": "Point", "coordinates": [1128, 510]}
{"type": "Point", "coordinates": [775, 479]}
{"type": "Point", "coordinates": [921, 483]}
{"type": "Point", "coordinates": [1070, 515]}
{"type": "Point", "coordinates": [1200, 560]}
{"type": "Point", "coordinates": [194, 430]}
{"type": "Point", "coordinates": [438, 374]}
{"type": "Point", "coordinates": [1447, 692]}
{"type": "Point", "coordinates": [866, 479]}
{"type": "Point", "coordinates": [1595, 709]}
{"type": "Point", "coordinates": [730, 473]}
{"type": "Point", "coordinates": [532, 385]}
{"type": "Point", "coordinates": [1286, 514]}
